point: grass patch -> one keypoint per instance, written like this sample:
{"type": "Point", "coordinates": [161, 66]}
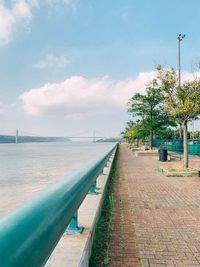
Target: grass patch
{"type": "Point", "coordinates": [103, 231]}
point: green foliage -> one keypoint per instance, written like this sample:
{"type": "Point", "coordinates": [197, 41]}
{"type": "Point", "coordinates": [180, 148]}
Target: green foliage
{"type": "Point", "coordinates": [129, 126]}
{"type": "Point", "coordinates": [194, 135]}
{"type": "Point", "coordinates": [167, 133]}
{"type": "Point", "coordinates": [147, 105]}
{"type": "Point", "coordinates": [150, 110]}
{"type": "Point", "coordinates": [182, 103]}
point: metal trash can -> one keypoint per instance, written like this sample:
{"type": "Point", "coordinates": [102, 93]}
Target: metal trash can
{"type": "Point", "coordinates": [162, 154]}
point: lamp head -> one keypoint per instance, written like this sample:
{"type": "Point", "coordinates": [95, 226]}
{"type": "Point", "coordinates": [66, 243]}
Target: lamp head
{"type": "Point", "coordinates": [181, 36]}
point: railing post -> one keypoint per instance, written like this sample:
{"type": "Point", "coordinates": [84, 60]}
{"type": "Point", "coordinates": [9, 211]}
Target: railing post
{"type": "Point", "coordinates": [108, 163]}
{"type": "Point", "coordinates": [93, 189]}
{"type": "Point", "coordinates": [103, 173]}
{"type": "Point", "coordinates": [73, 225]}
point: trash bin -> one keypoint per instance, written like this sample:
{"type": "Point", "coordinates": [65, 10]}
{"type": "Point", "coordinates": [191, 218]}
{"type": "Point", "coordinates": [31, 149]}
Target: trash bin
{"type": "Point", "coordinates": [163, 155]}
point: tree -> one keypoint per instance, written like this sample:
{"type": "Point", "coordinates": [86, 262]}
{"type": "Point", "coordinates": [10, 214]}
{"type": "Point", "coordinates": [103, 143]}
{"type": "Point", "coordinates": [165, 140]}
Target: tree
{"type": "Point", "coordinates": [181, 102]}
{"type": "Point", "coordinates": [195, 135]}
{"type": "Point", "coordinates": [167, 133]}
{"type": "Point", "coordinates": [135, 132]}
{"type": "Point", "coordinates": [149, 108]}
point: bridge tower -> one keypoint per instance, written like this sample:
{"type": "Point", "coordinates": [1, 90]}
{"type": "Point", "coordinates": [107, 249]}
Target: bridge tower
{"type": "Point", "coordinates": [94, 139]}
{"type": "Point", "coordinates": [16, 136]}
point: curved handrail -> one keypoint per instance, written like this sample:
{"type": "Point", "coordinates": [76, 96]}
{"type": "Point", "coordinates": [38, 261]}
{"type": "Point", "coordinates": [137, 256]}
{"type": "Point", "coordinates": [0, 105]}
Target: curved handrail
{"type": "Point", "coordinates": [29, 234]}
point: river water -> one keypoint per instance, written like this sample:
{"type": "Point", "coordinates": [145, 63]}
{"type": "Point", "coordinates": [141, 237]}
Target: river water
{"type": "Point", "coordinates": [28, 169]}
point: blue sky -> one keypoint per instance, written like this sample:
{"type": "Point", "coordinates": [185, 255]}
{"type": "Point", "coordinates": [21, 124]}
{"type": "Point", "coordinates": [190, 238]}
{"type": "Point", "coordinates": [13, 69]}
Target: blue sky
{"type": "Point", "coordinates": [80, 55]}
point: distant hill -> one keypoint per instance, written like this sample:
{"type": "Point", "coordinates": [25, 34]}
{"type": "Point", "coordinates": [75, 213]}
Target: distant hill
{"type": "Point", "coordinates": [113, 139]}
{"type": "Point", "coordinates": [30, 139]}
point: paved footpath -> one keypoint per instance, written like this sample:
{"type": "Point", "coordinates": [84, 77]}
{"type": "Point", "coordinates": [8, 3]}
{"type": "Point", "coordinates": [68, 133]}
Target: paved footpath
{"type": "Point", "coordinates": [157, 219]}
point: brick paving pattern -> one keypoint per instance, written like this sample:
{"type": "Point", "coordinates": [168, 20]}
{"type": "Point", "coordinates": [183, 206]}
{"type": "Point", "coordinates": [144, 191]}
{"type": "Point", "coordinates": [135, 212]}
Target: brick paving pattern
{"type": "Point", "coordinates": [157, 219]}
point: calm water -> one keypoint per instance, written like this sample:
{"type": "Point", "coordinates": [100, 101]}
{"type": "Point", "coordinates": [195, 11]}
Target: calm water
{"type": "Point", "coordinates": [28, 169]}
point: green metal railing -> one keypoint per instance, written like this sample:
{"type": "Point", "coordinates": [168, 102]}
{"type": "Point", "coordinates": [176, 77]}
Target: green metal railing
{"type": "Point", "coordinates": [29, 234]}
{"type": "Point", "coordinates": [194, 147]}
{"type": "Point", "coordinates": [176, 145]}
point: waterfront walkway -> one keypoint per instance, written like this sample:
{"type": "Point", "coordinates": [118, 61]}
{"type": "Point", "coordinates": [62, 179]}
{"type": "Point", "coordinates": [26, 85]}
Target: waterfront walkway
{"type": "Point", "coordinates": [157, 219]}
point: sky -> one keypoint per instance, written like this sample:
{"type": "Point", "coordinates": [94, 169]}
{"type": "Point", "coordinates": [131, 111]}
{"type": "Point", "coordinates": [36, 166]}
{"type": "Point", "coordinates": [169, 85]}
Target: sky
{"type": "Point", "coordinates": [69, 67]}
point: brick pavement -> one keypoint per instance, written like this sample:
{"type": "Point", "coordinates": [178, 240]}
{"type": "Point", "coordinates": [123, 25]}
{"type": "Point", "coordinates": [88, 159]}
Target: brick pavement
{"type": "Point", "coordinates": [157, 219]}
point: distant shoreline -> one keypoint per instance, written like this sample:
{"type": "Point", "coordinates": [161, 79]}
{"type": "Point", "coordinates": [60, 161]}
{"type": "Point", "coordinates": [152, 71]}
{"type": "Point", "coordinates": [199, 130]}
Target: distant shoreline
{"type": "Point", "coordinates": [10, 139]}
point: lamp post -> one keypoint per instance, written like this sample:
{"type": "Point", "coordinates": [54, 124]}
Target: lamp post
{"type": "Point", "coordinates": [180, 38]}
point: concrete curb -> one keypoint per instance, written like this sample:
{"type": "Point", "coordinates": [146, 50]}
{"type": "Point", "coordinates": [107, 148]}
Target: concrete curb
{"type": "Point", "coordinates": [74, 250]}
{"type": "Point", "coordinates": [177, 173]}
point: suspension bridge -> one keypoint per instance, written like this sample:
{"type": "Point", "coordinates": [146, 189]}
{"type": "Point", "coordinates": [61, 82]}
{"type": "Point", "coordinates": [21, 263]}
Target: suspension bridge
{"type": "Point", "coordinates": [96, 135]}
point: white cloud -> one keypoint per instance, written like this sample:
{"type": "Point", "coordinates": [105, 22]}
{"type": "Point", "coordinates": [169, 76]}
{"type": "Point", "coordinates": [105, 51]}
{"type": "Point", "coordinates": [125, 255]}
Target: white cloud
{"type": "Point", "coordinates": [77, 96]}
{"type": "Point", "coordinates": [52, 61]}
{"type": "Point", "coordinates": [188, 76]}
{"type": "Point", "coordinates": [81, 97]}
{"type": "Point", "coordinates": [21, 11]}
{"type": "Point", "coordinates": [9, 17]}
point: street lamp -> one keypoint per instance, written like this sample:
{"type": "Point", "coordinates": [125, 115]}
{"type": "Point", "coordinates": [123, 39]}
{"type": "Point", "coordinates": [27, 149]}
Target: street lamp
{"type": "Point", "coordinates": [180, 38]}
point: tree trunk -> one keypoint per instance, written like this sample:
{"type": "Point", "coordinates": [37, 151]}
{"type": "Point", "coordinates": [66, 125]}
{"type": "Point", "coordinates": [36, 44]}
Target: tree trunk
{"type": "Point", "coordinates": [151, 132]}
{"type": "Point", "coordinates": [180, 132]}
{"type": "Point", "coordinates": [137, 142]}
{"type": "Point", "coordinates": [151, 139]}
{"type": "Point", "coordinates": [185, 145]}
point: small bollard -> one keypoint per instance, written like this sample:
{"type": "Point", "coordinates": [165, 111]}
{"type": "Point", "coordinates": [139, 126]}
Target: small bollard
{"type": "Point", "coordinates": [93, 189]}
{"type": "Point", "coordinates": [73, 225]}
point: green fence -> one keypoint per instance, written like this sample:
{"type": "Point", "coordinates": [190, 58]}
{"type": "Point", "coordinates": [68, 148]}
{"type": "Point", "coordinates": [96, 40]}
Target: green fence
{"type": "Point", "coordinates": [194, 147]}
{"type": "Point", "coordinates": [176, 145]}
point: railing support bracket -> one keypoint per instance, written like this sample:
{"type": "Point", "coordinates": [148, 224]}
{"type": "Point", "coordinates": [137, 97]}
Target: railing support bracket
{"type": "Point", "coordinates": [73, 225]}
{"type": "Point", "coordinates": [93, 189]}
